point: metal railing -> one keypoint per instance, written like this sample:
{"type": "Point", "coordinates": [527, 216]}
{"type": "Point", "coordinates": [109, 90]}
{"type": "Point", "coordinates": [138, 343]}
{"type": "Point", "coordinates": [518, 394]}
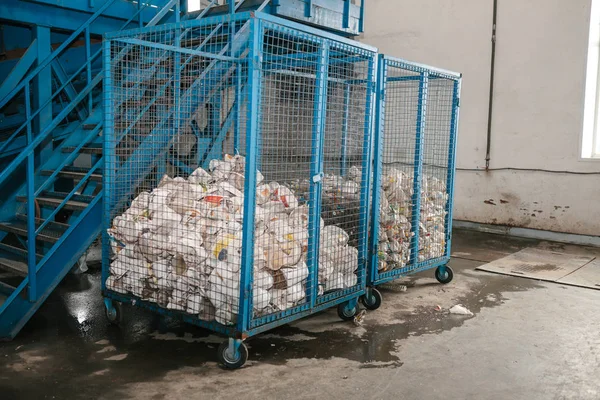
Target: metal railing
{"type": "Point", "coordinates": [34, 141]}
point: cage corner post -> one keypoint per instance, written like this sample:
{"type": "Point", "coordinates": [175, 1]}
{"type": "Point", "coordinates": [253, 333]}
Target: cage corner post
{"type": "Point", "coordinates": [316, 173]}
{"type": "Point", "coordinates": [108, 146]}
{"type": "Point", "coordinates": [252, 133]}
{"type": "Point", "coordinates": [452, 163]}
{"type": "Point", "coordinates": [367, 166]}
{"type": "Point", "coordinates": [379, 132]}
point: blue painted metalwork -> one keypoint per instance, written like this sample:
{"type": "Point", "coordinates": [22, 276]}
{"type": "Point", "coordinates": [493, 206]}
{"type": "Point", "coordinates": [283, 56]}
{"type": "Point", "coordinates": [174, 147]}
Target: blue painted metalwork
{"type": "Point", "coordinates": [392, 73]}
{"type": "Point", "coordinates": [346, 16]}
{"type": "Point", "coordinates": [315, 31]}
{"type": "Point", "coordinates": [31, 251]}
{"type": "Point", "coordinates": [452, 163]}
{"type": "Point", "coordinates": [120, 10]}
{"type": "Point", "coordinates": [244, 72]}
{"type": "Point", "coordinates": [377, 168]}
{"type": "Point", "coordinates": [254, 83]}
{"type": "Point", "coordinates": [418, 167]}
{"type": "Point", "coordinates": [316, 173]}
{"type": "Point", "coordinates": [16, 311]}
{"type": "Point", "coordinates": [49, 117]}
{"type": "Point", "coordinates": [110, 159]}
{"type": "Point", "coordinates": [361, 18]}
{"type": "Point", "coordinates": [363, 225]}
{"type": "Point", "coordinates": [42, 84]}
{"type": "Point", "coordinates": [308, 9]}
{"type": "Point", "coordinates": [19, 70]}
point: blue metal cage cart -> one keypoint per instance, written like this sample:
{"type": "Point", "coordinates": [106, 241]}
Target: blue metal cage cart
{"type": "Point", "coordinates": [237, 174]}
{"type": "Point", "coordinates": [415, 146]}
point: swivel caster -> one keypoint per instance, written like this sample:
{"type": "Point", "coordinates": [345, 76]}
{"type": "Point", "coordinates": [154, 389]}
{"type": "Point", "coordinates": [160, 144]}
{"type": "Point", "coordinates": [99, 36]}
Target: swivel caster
{"type": "Point", "coordinates": [444, 274]}
{"type": "Point", "coordinates": [372, 299]}
{"type": "Point", "coordinates": [113, 311]}
{"type": "Point", "coordinates": [231, 357]}
{"type": "Point", "coordinates": [346, 311]}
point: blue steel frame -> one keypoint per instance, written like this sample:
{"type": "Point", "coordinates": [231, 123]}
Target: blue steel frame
{"type": "Point", "coordinates": [426, 73]}
{"type": "Point", "coordinates": [246, 325]}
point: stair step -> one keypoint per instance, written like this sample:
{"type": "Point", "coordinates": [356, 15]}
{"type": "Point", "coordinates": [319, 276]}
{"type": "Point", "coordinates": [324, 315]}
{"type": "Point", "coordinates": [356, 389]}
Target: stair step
{"type": "Point", "coordinates": [16, 251]}
{"type": "Point", "coordinates": [14, 264]}
{"type": "Point", "coordinates": [5, 291]}
{"type": "Point", "coordinates": [38, 221]}
{"type": "Point", "coordinates": [91, 148]}
{"type": "Point", "coordinates": [74, 173]}
{"type": "Point", "coordinates": [54, 199]}
{"type": "Point", "coordinates": [51, 232]}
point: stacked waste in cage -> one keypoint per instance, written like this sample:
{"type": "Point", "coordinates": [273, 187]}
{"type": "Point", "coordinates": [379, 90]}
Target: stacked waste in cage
{"type": "Point", "coordinates": [180, 246]}
{"type": "Point", "coordinates": [396, 215]}
{"type": "Point", "coordinates": [341, 203]}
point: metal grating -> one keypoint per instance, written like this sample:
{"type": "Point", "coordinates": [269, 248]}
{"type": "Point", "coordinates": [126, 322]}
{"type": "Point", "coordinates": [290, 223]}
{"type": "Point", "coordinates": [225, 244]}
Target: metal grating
{"type": "Point", "coordinates": [415, 146]}
{"type": "Point", "coordinates": [219, 149]}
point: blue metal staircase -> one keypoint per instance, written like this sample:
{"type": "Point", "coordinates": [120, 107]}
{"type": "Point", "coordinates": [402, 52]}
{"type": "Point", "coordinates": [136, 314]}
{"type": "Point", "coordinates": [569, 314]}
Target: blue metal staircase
{"type": "Point", "coordinates": [51, 124]}
{"type": "Point", "coordinates": [51, 147]}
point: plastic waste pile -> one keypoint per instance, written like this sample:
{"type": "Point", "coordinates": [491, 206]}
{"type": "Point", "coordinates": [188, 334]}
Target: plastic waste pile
{"type": "Point", "coordinates": [341, 205]}
{"type": "Point", "coordinates": [395, 226]}
{"type": "Point", "coordinates": [180, 245]}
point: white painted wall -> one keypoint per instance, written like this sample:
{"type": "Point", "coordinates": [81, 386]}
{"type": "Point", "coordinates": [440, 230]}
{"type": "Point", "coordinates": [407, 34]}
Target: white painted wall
{"type": "Point", "coordinates": [538, 102]}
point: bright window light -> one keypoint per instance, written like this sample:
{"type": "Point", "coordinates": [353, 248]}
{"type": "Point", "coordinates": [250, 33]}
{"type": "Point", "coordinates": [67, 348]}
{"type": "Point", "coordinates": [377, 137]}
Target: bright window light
{"type": "Point", "coordinates": [193, 5]}
{"type": "Point", "coordinates": [590, 147]}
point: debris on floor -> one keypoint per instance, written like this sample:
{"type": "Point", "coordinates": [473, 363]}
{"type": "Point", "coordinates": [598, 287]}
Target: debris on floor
{"type": "Point", "coordinates": [459, 309]}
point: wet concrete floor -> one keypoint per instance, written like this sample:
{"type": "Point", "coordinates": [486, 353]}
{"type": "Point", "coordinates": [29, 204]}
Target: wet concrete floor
{"type": "Point", "coordinates": [526, 340]}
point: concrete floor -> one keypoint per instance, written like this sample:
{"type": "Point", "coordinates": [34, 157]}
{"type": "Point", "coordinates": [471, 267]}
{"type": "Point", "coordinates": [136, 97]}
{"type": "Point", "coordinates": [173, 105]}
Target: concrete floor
{"type": "Point", "coordinates": [527, 340]}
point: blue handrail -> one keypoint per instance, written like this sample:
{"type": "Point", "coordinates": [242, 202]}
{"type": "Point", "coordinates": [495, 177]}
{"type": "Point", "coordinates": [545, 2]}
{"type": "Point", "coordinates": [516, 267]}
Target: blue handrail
{"type": "Point", "coordinates": [67, 110]}
{"type": "Point", "coordinates": [41, 66]}
{"type": "Point", "coordinates": [68, 196]}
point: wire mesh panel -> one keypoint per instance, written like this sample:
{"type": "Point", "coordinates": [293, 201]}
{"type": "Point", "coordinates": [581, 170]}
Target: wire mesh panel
{"type": "Point", "coordinates": [437, 165]}
{"type": "Point", "coordinates": [237, 172]}
{"type": "Point", "coordinates": [173, 181]}
{"type": "Point", "coordinates": [307, 81]}
{"type": "Point", "coordinates": [347, 169]}
{"type": "Point", "coordinates": [417, 114]}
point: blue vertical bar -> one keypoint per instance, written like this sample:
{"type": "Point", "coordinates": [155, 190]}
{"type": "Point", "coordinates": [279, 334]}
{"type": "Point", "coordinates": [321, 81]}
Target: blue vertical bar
{"type": "Point", "coordinates": [108, 151]}
{"type": "Point", "coordinates": [43, 89]}
{"type": "Point", "coordinates": [346, 16]}
{"type": "Point", "coordinates": [252, 129]}
{"type": "Point", "coordinates": [178, 11]}
{"type": "Point", "coordinates": [88, 61]}
{"type": "Point", "coordinates": [316, 171]}
{"type": "Point", "coordinates": [308, 9]}
{"type": "Point", "coordinates": [418, 165]}
{"type": "Point", "coordinates": [344, 150]}
{"type": "Point", "coordinates": [140, 18]}
{"type": "Point", "coordinates": [31, 251]}
{"type": "Point", "coordinates": [361, 21]}
{"type": "Point", "coordinates": [377, 168]}
{"type": "Point", "coordinates": [231, 4]}
{"type": "Point", "coordinates": [368, 142]}
{"type": "Point", "coordinates": [452, 163]}
{"type": "Point", "coordinates": [236, 109]}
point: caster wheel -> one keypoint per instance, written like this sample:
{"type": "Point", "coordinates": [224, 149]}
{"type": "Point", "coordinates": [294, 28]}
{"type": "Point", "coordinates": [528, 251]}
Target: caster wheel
{"type": "Point", "coordinates": [345, 313]}
{"type": "Point", "coordinates": [372, 300]}
{"type": "Point", "coordinates": [114, 313]}
{"type": "Point", "coordinates": [444, 277]}
{"type": "Point", "coordinates": [230, 361]}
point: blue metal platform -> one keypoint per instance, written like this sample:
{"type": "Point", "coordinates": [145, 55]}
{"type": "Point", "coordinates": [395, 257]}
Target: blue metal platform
{"type": "Point", "coordinates": [51, 126]}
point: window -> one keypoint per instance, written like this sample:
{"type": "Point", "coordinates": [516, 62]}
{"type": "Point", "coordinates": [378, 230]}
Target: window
{"type": "Point", "coordinates": [590, 147]}
{"type": "Point", "coordinates": [193, 5]}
